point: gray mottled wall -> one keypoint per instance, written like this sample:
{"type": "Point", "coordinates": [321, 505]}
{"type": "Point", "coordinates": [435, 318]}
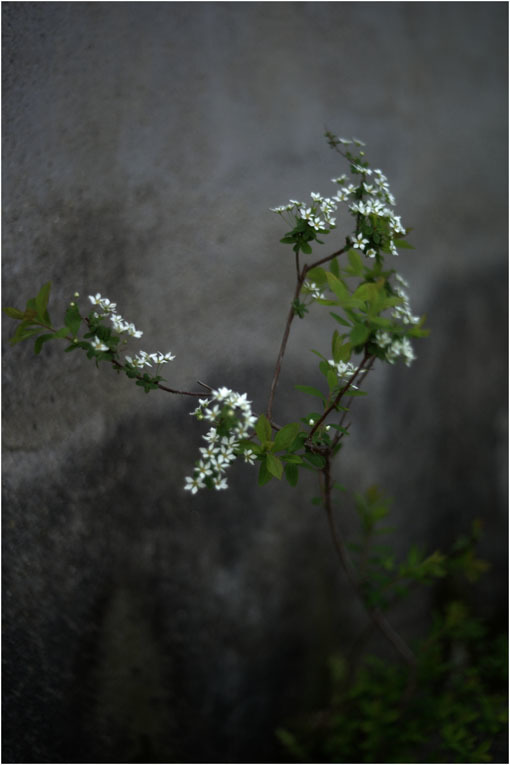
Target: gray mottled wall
{"type": "Point", "coordinates": [143, 145]}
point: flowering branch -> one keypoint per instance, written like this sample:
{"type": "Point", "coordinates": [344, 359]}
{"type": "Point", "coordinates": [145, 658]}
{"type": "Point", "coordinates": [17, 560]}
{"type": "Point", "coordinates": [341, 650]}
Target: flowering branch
{"type": "Point", "coordinates": [374, 321]}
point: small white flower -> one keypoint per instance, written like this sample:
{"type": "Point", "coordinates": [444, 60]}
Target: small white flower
{"type": "Point", "coordinates": [221, 394]}
{"type": "Point", "coordinates": [342, 195]}
{"type": "Point", "coordinates": [212, 413]}
{"type": "Point", "coordinates": [98, 345]}
{"type": "Point", "coordinates": [212, 435]}
{"type": "Point", "coordinates": [359, 207]}
{"type": "Point", "coordinates": [382, 338]}
{"type": "Point", "coordinates": [305, 213]}
{"type": "Point", "coordinates": [360, 169]}
{"type": "Point", "coordinates": [371, 253]}
{"type": "Point", "coordinates": [203, 469]}
{"type": "Point", "coordinates": [132, 330]}
{"type": "Point", "coordinates": [220, 482]}
{"type": "Point", "coordinates": [194, 484]}
{"type": "Point", "coordinates": [344, 369]}
{"type": "Point", "coordinates": [358, 242]}
{"type": "Point", "coordinates": [249, 457]}
{"type": "Point", "coordinates": [312, 289]}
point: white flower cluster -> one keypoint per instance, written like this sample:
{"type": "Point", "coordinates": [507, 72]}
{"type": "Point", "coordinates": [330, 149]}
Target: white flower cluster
{"type": "Point", "coordinates": [227, 411]}
{"type": "Point", "coordinates": [344, 370]}
{"type": "Point", "coordinates": [347, 141]}
{"type": "Point", "coordinates": [395, 348]}
{"type": "Point", "coordinates": [142, 358]}
{"type": "Point", "coordinates": [403, 311]}
{"type": "Point", "coordinates": [377, 195]}
{"type": "Point", "coordinates": [318, 215]}
{"type": "Point", "coordinates": [310, 288]}
{"type": "Point", "coordinates": [109, 310]}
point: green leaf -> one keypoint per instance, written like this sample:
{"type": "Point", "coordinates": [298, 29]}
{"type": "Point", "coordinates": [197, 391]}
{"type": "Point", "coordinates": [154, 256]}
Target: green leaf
{"type": "Point", "coordinates": [339, 288]}
{"type": "Point", "coordinates": [316, 275]}
{"type": "Point", "coordinates": [274, 465]}
{"type": "Point", "coordinates": [264, 474]}
{"type": "Point", "coordinates": [368, 291]}
{"type": "Point", "coordinates": [14, 313]}
{"type": "Point", "coordinates": [299, 308]}
{"type": "Point", "coordinates": [341, 351]}
{"type": "Point", "coordinates": [292, 473]}
{"type": "Point", "coordinates": [42, 339]}
{"type": "Point", "coordinates": [286, 436]}
{"type": "Point", "coordinates": [41, 302]}
{"type": "Point", "coordinates": [334, 268]}
{"type": "Point", "coordinates": [332, 379]}
{"type": "Point", "coordinates": [263, 428]}
{"type": "Point", "coordinates": [31, 308]}
{"type": "Point", "coordinates": [310, 390]}
{"type": "Point", "coordinates": [293, 459]}
{"type": "Point", "coordinates": [356, 265]}
{"type": "Point", "coordinates": [24, 331]}
{"type": "Point", "coordinates": [73, 319]}
{"type": "Point", "coordinates": [403, 245]}
{"type": "Point", "coordinates": [62, 332]}
{"type": "Point", "coordinates": [339, 319]}
{"type": "Point", "coordinates": [359, 334]}
{"type": "Point", "coordinates": [315, 459]}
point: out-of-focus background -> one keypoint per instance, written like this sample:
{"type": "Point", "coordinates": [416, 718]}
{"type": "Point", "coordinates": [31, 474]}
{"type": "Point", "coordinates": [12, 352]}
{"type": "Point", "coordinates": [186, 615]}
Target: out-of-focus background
{"type": "Point", "coordinates": [143, 145]}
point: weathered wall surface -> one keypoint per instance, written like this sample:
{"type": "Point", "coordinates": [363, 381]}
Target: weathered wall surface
{"type": "Point", "coordinates": [143, 146]}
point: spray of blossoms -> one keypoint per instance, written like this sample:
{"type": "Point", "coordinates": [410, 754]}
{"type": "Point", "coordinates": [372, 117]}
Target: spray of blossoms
{"type": "Point", "coordinates": [232, 421]}
{"type": "Point", "coordinates": [373, 321]}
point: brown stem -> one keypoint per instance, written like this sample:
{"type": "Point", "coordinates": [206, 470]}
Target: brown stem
{"type": "Point", "coordinates": [281, 353]}
{"type": "Point", "coordinates": [338, 397]}
{"type": "Point", "coordinates": [365, 371]}
{"type": "Point", "coordinates": [329, 257]}
{"type": "Point", "coordinates": [376, 614]}
{"type": "Point", "coordinates": [118, 365]}
{"type": "Point", "coordinates": [301, 276]}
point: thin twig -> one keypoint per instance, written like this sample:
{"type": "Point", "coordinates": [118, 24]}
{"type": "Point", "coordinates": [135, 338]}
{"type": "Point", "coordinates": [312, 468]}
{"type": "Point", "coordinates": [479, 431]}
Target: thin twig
{"type": "Point", "coordinates": [338, 397]}
{"type": "Point", "coordinates": [301, 276]}
{"type": "Point", "coordinates": [376, 614]}
{"type": "Point", "coordinates": [281, 353]}
{"type": "Point", "coordinates": [120, 366]}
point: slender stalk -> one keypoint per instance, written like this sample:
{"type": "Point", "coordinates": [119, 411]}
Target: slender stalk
{"type": "Point", "coordinates": [301, 276]}
{"type": "Point", "coordinates": [118, 365]}
{"type": "Point", "coordinates": [375, 614]}
{"type": "Point", "coordinates": [338, 397]}
{"type": "Point", "coordinates": [283, 345]}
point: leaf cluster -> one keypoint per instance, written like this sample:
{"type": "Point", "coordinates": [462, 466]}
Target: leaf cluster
{"type": "Point", "coordinates": [34, 321]}
{"type": "Point", "coordinates": [456, 713]}
{"type": "Point", "coordinates": [285, 454]}
{"type": "Point", "coordinates": [301, 236]}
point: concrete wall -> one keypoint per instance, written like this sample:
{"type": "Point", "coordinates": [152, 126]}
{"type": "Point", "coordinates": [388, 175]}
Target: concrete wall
{"type": "Point", "coordinates": [143, 146]}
